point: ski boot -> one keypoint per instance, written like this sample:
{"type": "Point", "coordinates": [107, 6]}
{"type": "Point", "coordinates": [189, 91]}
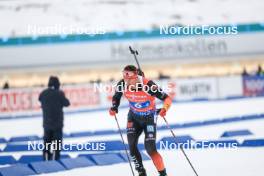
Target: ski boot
{"type": "Point", "coordinates": [163, 173]}
{"type": "Point", "coordinates": [142, 172]}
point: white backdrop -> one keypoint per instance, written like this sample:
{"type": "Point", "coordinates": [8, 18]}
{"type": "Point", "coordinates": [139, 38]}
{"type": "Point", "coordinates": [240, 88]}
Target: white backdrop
{"type": "Point", "coordinates": [104, 52]}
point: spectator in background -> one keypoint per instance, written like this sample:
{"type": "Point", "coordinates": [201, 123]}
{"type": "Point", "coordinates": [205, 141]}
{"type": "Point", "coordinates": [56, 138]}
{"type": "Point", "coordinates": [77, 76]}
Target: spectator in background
{"type": "Point", "coordinates": [260, 72]}
{"type": "Point", "coordinates": [6, 86]}
{"type": "Point", "coordinates": [98, 81]}
{"type": "Point", "coordinates": [162, 76]}
{"type": "Point", "coordinates": [52, 102]}
{"type": "Point", "coordinates": [245, 73]}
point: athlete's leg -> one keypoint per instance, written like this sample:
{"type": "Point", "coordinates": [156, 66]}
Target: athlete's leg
{"type": "Point", "coordinates": [150, 145]}
{"type": "Point", "coordinates": [133, 132]}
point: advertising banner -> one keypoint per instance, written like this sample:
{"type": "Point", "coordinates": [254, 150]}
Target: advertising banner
{"type": "Point", "coordinates": [253, 85]}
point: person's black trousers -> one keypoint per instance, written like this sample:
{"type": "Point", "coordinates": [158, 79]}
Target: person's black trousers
{"type": "Point", "coordinates": [52, 144]}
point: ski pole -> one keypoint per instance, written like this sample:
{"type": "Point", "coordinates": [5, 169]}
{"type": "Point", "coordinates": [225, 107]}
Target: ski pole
{"type": "Point", "coordinates": [119, 129]}
{"type": "Point", "coordinates": [135, 53]}
{"type": "Point", "coordinates": [190, 163]}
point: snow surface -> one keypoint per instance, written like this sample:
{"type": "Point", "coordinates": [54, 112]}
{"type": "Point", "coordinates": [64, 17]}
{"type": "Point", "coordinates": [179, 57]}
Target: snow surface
{"type": "Point", "coordinates": [242, 162]}
{"type": "Point", "coordinates": [208, 162]}
{"type": "Point", "coordinates": [100, 120]}
{"type": "Point", "coordinates": [123, 15]}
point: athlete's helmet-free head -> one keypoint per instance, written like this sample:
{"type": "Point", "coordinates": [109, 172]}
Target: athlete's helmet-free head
{"type": "Point", "coordinates": [130, 74]}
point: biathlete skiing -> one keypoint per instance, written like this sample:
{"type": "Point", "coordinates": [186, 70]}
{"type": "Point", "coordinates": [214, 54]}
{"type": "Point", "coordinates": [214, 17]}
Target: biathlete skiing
{"type": "Point", "coordinates": [142, 116]}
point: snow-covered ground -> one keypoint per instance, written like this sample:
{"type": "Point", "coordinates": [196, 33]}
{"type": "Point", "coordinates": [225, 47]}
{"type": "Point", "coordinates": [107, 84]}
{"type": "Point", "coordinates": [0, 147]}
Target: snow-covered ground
{"type": "Point", "coordinates": [100, 120]}
{"type": "Point", "coordinates": [241, 161]}
{"type": "Point", "coordinates": [118, 15]}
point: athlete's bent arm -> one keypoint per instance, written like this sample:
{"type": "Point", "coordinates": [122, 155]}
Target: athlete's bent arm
{"type": "Point", "coordinates": [154, 90]}
{"type": "Point", "coordinates": [116, 98]}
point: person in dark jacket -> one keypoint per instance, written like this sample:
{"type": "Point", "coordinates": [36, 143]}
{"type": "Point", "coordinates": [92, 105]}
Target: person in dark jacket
{"type": "Point", "coordinates": [52, 102]}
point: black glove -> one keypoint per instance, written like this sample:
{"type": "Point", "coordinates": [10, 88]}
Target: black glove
{"type": "Point", "coordinates": [114, 108]}
{"type": "Point", "coordinates": [158, 111]}
{"type": "Point", "coordinates": [141, 73]}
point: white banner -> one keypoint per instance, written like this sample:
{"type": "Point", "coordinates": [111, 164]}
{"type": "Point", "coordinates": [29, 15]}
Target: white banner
{"type": "Point", "coordinates": [102, 53]}
{"type": "Point", "coordinates": [196, 88]}
{"type": "Point", "coordinates": [230, 86]}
